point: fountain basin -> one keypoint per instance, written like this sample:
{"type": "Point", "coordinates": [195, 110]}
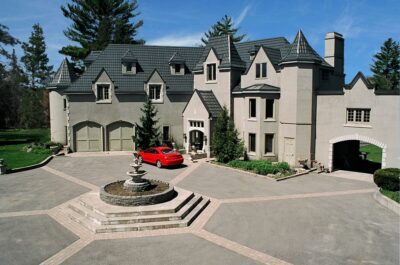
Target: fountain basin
{"type": "Point", "coordinates": [116, 194]}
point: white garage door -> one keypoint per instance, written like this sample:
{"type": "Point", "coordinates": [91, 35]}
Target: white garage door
{"type": "Point", "coordinates": [88, 137]}
{"type": "Point", "coordinates": [120, 137]}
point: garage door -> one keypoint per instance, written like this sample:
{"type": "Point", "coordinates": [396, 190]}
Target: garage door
{"type": "Point", "coordinates": [120, 136]}
{"type": "Point", "coordinates": [88, 137]}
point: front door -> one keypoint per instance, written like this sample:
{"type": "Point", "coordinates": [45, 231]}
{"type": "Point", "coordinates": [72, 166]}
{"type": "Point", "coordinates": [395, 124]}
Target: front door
{"type": "Point", "coordinates": [289, 151]}
{"type": "Point", "coordinates": [196, 139]}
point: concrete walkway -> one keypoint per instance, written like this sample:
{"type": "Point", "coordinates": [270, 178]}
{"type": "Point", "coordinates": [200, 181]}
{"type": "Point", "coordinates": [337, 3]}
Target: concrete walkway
{"type": "Point", "coordinates": [312, 219]}
{"type": "Point", "coordinates": [353, 175]}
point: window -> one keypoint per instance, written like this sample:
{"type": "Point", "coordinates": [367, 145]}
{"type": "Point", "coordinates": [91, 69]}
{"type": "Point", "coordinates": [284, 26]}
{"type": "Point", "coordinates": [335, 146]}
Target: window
{"type": "Point", "coordinates": [165, 133]}
{"type": "Point", "coordinates": [129, 67]}
{"type": "Point", "coordinates": [252, 142]}
{"type": "Point", "coordinates": [261, 70]}
{"type": "Point", "coordinates": [177, 68]}
{"type": "Point", "coordinates": [269, 143]}
{"type": "Point", "coordinates": [197, 124]}
{"type": "Point", "coordinates": [252, 108]}
{"type": "Point", "coordinates": [103, 92]}
{"type": "Point", "coordinates": [65, 103]}
{"type": "Point", "coordinates": [155, 93]}
{"type": "Point", "coordinates": [211, 72]}
{"type": "Point", "coordinates": [269, 108]}
{"type": "Point", "coordinates": [358, 115]}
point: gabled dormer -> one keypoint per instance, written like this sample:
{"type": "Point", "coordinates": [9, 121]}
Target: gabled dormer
{"type": "Point", "coordinates": [155, 87]}
{"type": "Point", "coordinates": [129, 63]}
{"type": "Point", "coordinates": [103, 87]}
{"type": "Point", "coordinates": [177, 64]}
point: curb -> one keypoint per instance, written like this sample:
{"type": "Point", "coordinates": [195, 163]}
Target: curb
{"type": "Point", "coordinates": [386, 202]}
{"type": "Point", "coordinates": [19, 169]}
{"type": "Point", "coordinates": [297, 175]}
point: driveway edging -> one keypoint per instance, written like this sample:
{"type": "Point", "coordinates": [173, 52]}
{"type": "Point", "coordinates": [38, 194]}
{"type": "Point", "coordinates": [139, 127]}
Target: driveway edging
{"type": "Point", "coordinates": [386, 202]}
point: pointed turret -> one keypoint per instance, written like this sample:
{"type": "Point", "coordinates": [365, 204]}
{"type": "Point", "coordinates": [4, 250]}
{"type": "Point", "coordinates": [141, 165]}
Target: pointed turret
{"type": "Point", "coordinates": [301, 51]}
{"type": "Point", "coordinates": [64, 76]}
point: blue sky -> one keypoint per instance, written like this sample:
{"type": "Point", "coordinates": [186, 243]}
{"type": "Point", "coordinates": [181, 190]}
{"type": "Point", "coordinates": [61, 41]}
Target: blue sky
{"type": "Point", "coordinates": [365, 24]}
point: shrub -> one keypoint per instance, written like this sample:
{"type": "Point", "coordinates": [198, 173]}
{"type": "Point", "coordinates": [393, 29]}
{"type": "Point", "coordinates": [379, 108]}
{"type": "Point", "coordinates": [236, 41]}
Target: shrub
{"type": "Point", "coordinates": [388, 178]}
{"type": "Point", "coordinates": [262, 167]}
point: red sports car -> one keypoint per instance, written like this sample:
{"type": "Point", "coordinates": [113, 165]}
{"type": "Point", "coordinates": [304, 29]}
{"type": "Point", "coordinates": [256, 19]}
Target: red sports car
{"type": "Point", "coordinates": [161, 156]}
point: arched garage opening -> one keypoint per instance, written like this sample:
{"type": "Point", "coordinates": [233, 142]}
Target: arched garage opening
{"type": "Point", "coordinates": [119, 136]}
{"type": "Point", "coordinates": [356, 153]}
{"type": "Point", "coordinates": [88, 137]}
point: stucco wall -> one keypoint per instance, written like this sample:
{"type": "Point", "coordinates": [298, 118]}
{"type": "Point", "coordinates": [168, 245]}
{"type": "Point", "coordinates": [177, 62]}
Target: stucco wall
{"type": "Point", "coordinates": [384, 125]}
{"type": "Point", "coordinates": [259, 125]}
{"type": "Point", "coordinates": [195, 111]}
{"type": "Point", "coordinates": [58, 120]}
{"type": "Point", "coordinates": [250, 78]}
{"type": "Point", "coordinates": [221, 86]}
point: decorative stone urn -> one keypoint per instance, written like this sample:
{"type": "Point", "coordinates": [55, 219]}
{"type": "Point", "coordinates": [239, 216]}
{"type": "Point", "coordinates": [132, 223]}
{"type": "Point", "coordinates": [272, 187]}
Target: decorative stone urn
{"type": "Point", "coordinates": [136, 183]}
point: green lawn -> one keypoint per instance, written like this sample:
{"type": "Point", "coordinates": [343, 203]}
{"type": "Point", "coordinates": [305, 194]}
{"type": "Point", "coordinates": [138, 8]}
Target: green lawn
{"type": "Point", "coordinates": [394, 195]}
{"type": "Point", "coordinates": [374, 152]}
{"type": "Point", "coordinates": [13, 142]}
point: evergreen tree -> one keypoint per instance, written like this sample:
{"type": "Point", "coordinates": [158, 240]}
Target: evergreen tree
{"type": "Point", "coordinates": [35, 59]}
{"type": "Point", "coordinates": [31, 113]}
{"type": "Point", "coordinates": [147, 134]}
{"type": "Point", "coordinates": [226, 143]}
{"type": "Point", "coordinates": [96, 23]}
{"type": "Point", "coordinates": [223, 27]}
{"type": "Point", "coordinates": [33, 110]}
{"type": "Point", "coordinates": [386, 66]}
{"type": "Point", "coordinates": [6, 39]}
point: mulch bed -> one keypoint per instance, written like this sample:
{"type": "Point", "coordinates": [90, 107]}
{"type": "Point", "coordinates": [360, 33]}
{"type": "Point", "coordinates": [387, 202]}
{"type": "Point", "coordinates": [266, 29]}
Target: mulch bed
{"type": "Point", "coordinates": [117, 188]}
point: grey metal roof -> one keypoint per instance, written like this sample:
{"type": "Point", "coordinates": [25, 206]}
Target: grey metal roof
{"type": "Point", "coordinates": [274, 47]}
{"type": "Point", "coordinates": [301, 51]}
{"type": "Point", "coordinates": [64, 76]}
{"type": "Point", "coordinates": [177, 58]}
{"type": "Point", "coordinates": [210, 102]}
{"type": "Point", "coordinates": [149, 58]}
{"type": "Point", "coordinates": [225, 51]}
{"type": "Point", "coordinates": [91, 57]}
{"type": "Point", "coordinates": [258, 88]}
{"type": "Point", "coordinates": [129, 57]}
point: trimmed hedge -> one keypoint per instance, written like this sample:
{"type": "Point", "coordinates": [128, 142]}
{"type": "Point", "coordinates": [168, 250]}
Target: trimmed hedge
{"type": "Point", "coordinates": [262, 167]}
{"type": "Point", "coordinates": [388, 178]}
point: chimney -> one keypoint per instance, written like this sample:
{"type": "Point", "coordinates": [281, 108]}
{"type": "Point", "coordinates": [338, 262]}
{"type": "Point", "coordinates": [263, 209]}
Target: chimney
{"type": "Point", "coordinates": [334, 51]}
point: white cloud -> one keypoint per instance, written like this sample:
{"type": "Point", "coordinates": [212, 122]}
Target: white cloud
{"type": "Point", "coordinates": [347, 24]}
{"type": "Point", "coordinates": [191, 39]}
{"type": "Point", "coordinates": [242, 15]}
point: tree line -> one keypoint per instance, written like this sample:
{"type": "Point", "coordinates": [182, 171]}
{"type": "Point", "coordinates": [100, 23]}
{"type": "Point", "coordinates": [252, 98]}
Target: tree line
{"type": "Point", "coordinates": [95, 24]}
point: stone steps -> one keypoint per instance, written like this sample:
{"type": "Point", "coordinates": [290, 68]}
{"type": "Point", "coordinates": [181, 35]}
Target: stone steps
{"type": "Point", "coordinates": [180, 214]}
{"type": "Point", "coordinates": [103, 220]}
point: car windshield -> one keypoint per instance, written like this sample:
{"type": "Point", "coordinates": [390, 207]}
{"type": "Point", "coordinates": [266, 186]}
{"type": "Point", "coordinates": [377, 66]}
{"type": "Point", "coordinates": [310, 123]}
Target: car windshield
{"type": "Point", "coordinates": [167, 151]}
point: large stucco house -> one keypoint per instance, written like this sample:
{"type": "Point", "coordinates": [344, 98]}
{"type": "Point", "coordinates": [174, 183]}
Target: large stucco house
{"type": "Point", "coordinates": [288, 102]}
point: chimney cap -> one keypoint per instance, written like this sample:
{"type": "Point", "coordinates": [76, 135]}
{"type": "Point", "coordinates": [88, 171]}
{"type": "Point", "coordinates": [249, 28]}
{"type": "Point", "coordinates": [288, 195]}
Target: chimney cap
{"type": "Point", "coordinates": [333, 34]}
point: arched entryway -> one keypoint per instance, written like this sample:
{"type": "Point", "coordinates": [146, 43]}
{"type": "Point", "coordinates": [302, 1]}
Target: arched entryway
{"type": "Point", "coordinates": [356, 153]}
{"type": "Point", "coordinates": [196, 138]}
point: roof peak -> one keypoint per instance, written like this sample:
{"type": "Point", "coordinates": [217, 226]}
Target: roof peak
{"type": "Point", "coordinates": [301, 50]}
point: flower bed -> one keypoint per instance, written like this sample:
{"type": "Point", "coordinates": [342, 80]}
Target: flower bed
{"type": "Point", "coordinates": [263, 167]}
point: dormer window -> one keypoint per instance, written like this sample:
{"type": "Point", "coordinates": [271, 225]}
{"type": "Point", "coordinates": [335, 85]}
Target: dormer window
{"type": "Point", "coordinates": [177, 68]}
{"type": "Point", "coordinates": [129, 68]}
{"type": "Point", "coordinates": [261, 70]}
{"type": "Point", "coordinates": [103, 93]}
{"type": "Point", "coordinates": [155, 93]}
{"type": "Point", "coordinates": [211, 72]}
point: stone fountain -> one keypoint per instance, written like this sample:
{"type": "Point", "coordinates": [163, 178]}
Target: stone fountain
{"type": "Point", "coordinates": [136, 183]}
{"type": "Point", "coordinates": [137, 191]}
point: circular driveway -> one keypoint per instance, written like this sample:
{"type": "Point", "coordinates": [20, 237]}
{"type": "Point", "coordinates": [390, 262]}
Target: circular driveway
{"type": "Point", "coordinates": [312, 219]}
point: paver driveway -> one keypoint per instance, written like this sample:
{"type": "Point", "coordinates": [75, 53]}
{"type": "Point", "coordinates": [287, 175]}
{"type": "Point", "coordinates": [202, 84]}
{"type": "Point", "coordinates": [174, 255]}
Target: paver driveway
{"type": "Point", "coordinates": [313, 219]}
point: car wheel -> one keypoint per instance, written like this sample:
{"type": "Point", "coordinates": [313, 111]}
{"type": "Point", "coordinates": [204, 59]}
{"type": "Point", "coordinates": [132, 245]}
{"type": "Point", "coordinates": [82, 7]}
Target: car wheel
{"type": "Point", "coordinates": [159, 165]}
{"type": "Point", "coordinates": [140, 159]}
